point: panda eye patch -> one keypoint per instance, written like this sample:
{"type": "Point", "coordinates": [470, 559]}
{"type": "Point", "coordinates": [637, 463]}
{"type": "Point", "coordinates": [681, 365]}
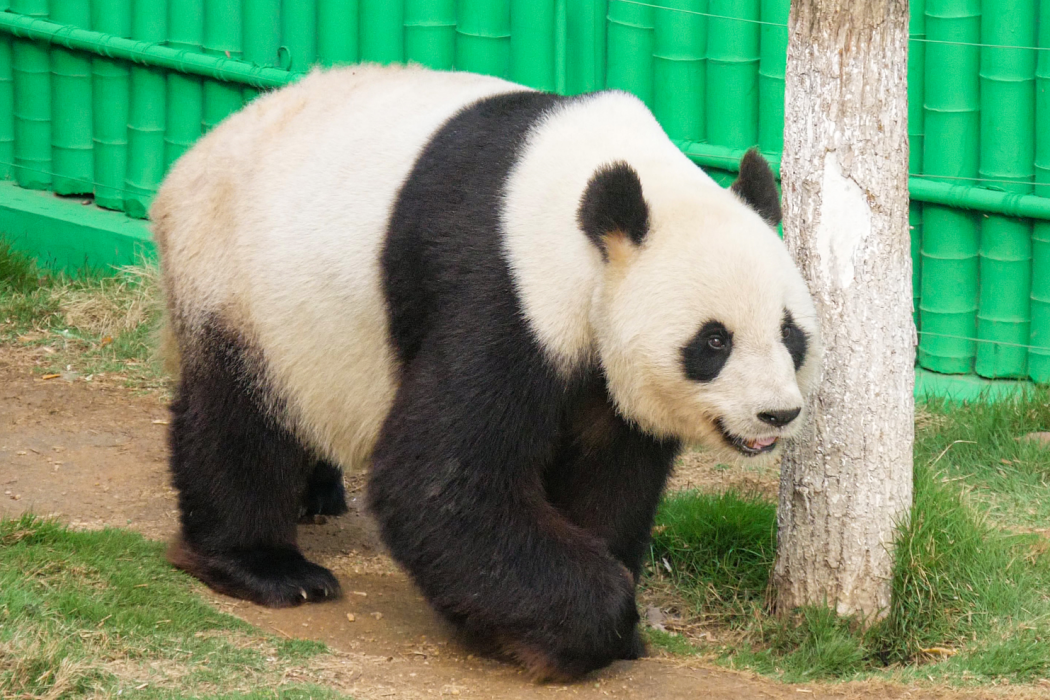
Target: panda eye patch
{"type": "Point", "coordinates": [704, 356]}
{"type": "Point", "coordinates": [795, 340]}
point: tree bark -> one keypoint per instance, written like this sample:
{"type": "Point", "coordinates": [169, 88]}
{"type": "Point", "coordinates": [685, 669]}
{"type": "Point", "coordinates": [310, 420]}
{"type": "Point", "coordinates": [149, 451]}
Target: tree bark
{"type": "Point", "coordinates": [847, 483]}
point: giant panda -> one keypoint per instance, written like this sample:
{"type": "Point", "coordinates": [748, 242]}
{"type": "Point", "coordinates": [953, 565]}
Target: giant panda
{"type": "Point", "coordinates": [515, 306]}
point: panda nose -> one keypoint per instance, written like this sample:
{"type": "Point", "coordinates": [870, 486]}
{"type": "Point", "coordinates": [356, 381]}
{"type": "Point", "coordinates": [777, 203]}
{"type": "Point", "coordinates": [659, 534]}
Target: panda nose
{"type": "Point", "coordinates": [778, 419]}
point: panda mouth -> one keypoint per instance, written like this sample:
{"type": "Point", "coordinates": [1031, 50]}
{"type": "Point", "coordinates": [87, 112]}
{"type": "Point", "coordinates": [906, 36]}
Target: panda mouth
{"type": "Point", "coordinates": [749, 447]}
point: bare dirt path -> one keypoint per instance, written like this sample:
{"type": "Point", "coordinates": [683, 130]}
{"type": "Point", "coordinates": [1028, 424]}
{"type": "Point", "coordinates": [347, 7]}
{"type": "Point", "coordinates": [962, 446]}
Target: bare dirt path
{"type": "Point", "coordinates": [93, 453]}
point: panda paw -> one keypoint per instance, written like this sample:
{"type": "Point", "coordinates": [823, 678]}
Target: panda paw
{"type": "Point", "coordinates": [599, 636]}
{"type": "Point", "coordinates": [277, 577]}
{"type": "Point", "coordinates": [325, 493]}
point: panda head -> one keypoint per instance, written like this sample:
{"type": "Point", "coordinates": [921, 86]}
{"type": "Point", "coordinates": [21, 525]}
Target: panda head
{"type": "Point", "coordinates": [704, 326]}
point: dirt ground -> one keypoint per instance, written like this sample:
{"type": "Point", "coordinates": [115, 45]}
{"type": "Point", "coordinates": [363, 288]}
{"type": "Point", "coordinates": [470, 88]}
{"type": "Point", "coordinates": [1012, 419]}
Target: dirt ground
{"type": "Point", "coordinates": [93, 454]}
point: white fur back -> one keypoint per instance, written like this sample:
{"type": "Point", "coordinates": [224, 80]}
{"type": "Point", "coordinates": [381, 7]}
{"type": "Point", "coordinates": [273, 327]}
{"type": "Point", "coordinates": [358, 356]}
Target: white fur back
{"type": "Point", "coordinates": [274, 222]}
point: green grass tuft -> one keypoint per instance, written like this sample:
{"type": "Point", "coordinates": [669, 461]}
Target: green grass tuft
{"type": "Point", "coordinates": [85, 613]}
{"type": "Point", "coordinates": [719, 548]}
{"type": "Point", "coordinates": [18, 272]}
{"type": "Point", "coordinates": [95, 324]}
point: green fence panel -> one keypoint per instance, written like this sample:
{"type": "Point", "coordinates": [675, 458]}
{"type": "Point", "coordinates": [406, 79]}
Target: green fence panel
{"type": "Point", "coordinates": [679, 68]}
{"type": "Point", "coordinates": [31, 68]}
{"type": "Point", "coordinates": [1006, 284]}
{"type": "Point", "coordinates": [222, 37]}
{"type": "Point", "coordinates": [430, 33]}
{"type": "Point", "coordinates": [149, 22]}
{"type": "Point", "coordinates": [916, 83]}
{"type": "Point", "coordinates": [631, 37]}
{"type": "Point", "coordinates": [72, 155]}
{"type": "Point", "coordinates": [185, 103]}
{"type": "Point", "coordinates": [1039, 353]}
{"type": "Point", "coordinates": [382, 30]}
{"type": "Point", "coordinates": [483, 37]}
{"type": "Point", "coordinates": [337, 30]}
{"type": "Point", "coordinates": [533, 37]}
{"type": "Point", "coordinates": [585, 45]}
{"type": "Point", "coordinates": [773, 38]}
{"type": "Point", "coordinates": [298, 34]}
{"type": "Point", "coordinates": [111, 98]}
{"type": "Point", "coordinates": [916, 131]}
{"type": "Point", "coordinates": [732, 73]}
{"type": "Point", "coordinates": [1007, 153]}
{"type": "Point", "coordinates": [7, 104]}
{"type": "Point", "coordinates": [950, 237]}
{"type": "Point", "coordinates": [261, 31]}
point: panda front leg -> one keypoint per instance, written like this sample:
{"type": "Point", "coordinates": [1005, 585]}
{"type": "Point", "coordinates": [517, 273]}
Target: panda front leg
{"type": "Point", "coordinates": [241, 480]}
{"type": "Point", "coordinates": [608, 477]}
{"type": "Point", "coordinates": [457, 488]}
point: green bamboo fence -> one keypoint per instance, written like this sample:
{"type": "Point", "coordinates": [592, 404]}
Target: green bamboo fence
{"type": "Point", "coordinates": [1007, 154]}
{"type": "Point", "coordinates": [1039, 354]}
{"type": "Point", "coordinates": [31, 68]}
{"type": "Point", "coordinates": [72, 153]}
{"type": "Point", "coordinates": [111, 93]}
{"type": "Point", "coordinates": [950, 237]}
{"type": "Point", "coordinates": [7, 103]}
{"type": "Point", "coordinates": [185, 99]}
{"type": "Point", "coordinates": [916, 138]}
{"type": "Point", "coordinates": [146, 115]}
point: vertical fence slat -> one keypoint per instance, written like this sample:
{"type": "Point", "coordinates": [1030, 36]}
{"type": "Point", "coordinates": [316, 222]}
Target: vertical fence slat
{"type": "Point", "coordinates": [585, 45]}
{"type": "Point", "coordinates": [299, 34]}
{"type": "Point", "coordinates": [948, 309]}
{"type": "Point", "coordinates": [7, 104]}
{"type": "Point", "coordinates": [222, 37]}
{"type": "Point", "coordinates": [916, 131]}
{"type": "Point", "coordinates": [679, 71]}
{"type": "Point", "coordinates": [732, 73]}
{"type": "Point", "coordinates": [532, 43]}
{"type": "Point", "coordinates": [111, 98]}
{"type": "Point", "coordinates": [630, 58]}
{"type": "Point", "coordinates": [337, 30]}
{"type": "Point", "coordinates": [185, 102]}
{"type": "Point", "coordinates": [149, 22]}
{"type": "Point", "coordinates": [430, 33]}
{"type": "Point", "coordinates": [31, 67]}
{"type": "Point", "coordinates": [773, 37]}
{"type": "Point", "coordinates": [71, 145]}
{"type": "Point", "coordinates": [261, 22]}
{"type": "Point", "coordinates": [382, 30]}
{"type": "Point", "coordinates": [1039, 354]}
{"type": "Point", "coordinates": [1007, 154]}
{"type": "Point", "coordinates": [483, 36]}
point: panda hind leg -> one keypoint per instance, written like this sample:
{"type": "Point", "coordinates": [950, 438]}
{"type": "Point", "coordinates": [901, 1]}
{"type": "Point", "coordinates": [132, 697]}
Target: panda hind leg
{"type": "Point", "coordinates": [241, 479]}
{"type": "Point", "coordinates": [325, 493]}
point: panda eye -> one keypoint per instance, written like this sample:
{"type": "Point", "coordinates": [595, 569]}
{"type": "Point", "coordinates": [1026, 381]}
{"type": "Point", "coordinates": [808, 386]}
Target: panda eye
{"type": "Point", "coordinates": [786, 332]}
{"type": "Point", "coordinates": [716, 343]}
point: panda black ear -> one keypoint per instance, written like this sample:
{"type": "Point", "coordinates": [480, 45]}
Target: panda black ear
{"type": "Point", "coordinates": [757, 186]}
{"type": "Point", "coordinates": [613, 206]}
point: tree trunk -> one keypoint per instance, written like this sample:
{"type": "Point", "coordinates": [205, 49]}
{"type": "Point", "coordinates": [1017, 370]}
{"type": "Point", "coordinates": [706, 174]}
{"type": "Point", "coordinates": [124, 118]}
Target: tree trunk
{"type": "Point", "coordinates": [847, 482]}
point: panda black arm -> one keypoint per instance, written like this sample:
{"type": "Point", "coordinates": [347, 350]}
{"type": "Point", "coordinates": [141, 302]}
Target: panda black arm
{"type": "Point", "coordinates": [457, 488]}
{"type": "Point", "coordinates": [608, 476]}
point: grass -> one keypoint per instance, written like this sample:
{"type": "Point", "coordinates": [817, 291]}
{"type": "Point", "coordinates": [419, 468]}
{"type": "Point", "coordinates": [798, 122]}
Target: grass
{"type": "Point", "coordinates": [971, 584]}
{"type": "Point", "coordinates": [102, 613]}
{"type": "Point", "coordinates": [93, 326]}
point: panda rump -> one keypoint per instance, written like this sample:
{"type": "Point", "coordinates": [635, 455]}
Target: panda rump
{"type": "Point", "coordinates": [486, 292]}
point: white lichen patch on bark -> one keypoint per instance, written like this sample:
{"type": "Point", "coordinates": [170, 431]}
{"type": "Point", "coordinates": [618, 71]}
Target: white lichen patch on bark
{"type": "Point", "coordinates": [848, 482]}
{"type": "Point", "coordinates": [844, 224]}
